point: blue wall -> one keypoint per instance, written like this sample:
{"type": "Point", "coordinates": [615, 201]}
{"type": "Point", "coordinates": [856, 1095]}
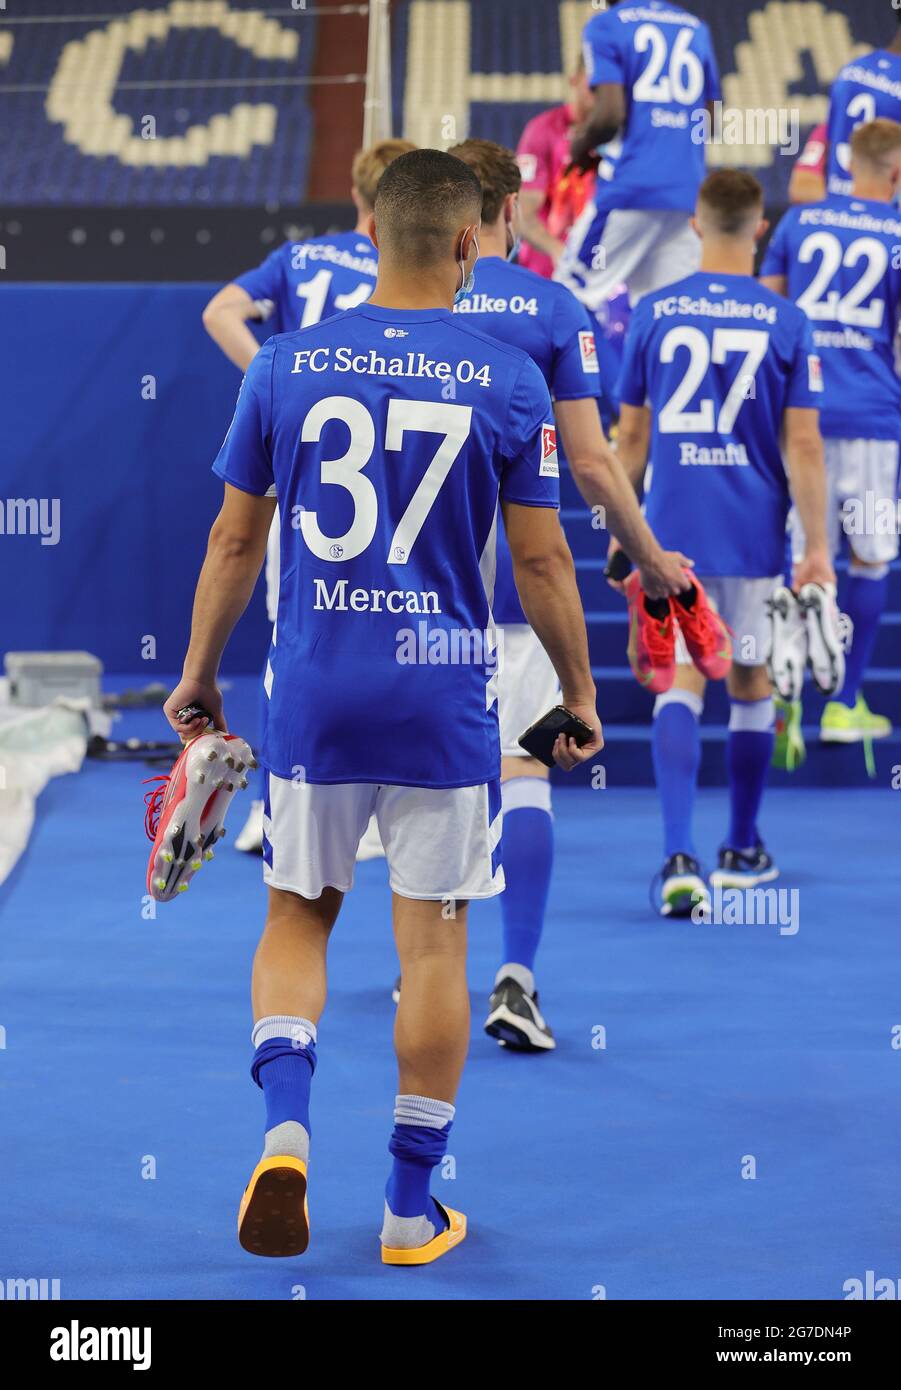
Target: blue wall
{"type": "Point", "coordinates": [133, 476]}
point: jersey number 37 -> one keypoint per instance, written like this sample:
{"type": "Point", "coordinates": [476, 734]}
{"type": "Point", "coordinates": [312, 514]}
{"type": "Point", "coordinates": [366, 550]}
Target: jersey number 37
{"type": "Point", "coordinates": [452, 422]}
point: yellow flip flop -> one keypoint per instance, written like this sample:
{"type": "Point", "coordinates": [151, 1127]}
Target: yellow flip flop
{"type": "Point", "coordinates": [273, 1218]}
{"type": "Point", "coordinates": [445, 1240]}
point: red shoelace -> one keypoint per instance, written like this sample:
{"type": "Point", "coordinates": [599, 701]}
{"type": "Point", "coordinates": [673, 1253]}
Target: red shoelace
{"type": "Point", "coordinates": [153, 800]}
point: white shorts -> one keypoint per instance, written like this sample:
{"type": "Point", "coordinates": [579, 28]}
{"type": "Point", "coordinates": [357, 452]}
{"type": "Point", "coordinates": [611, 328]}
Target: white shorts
{"type": "Point", "coordinates": [742, 602]}
{"type": "Point", "coordinates": [644, 248]}
{"type": "Point", "coordinates": [527, 685]}
{"type": "Point", "coordinates": [861, 499]}
{"type": "Point", "coordinates": [440, 842]}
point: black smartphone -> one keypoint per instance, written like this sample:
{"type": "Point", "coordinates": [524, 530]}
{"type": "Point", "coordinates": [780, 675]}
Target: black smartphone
{"type": "Point", "coordinates": [189, 712]}
{"type": "Point", "coordinates": [539, 740]}
{"type": "Point", "coordinates": [618, 567]}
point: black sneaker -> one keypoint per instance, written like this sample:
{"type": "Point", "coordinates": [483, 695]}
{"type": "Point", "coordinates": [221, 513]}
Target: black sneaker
{"type": "Point", "coordinates": [737, 868]}
{"type": "Point", "coordinates": [682, 889]}
{"type": "Point", "coordinates": [395, 992]}
{"type": "Point", "coordinates": [515, 1019]}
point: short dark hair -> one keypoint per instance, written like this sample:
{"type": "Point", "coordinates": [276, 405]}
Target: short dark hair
{"type": "Point", "coordinates": [733, 196]}
{"type": "Point", "coordinates": [422, 199]}
{"type": "Point", "coordinates": [496, 170]}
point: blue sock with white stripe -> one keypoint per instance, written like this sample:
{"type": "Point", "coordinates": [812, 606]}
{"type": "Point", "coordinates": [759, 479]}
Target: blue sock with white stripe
{"type": "Point", "coordinates": [748, 752]}
{"type": "Point", "coordinates": [528, 848]}
{"type": "Point", "coordinates": [283, 1066]}
{"type": "Point", "coordinates": [418, 1143]}
{"type": "Point", "coordinates": [676, 749]}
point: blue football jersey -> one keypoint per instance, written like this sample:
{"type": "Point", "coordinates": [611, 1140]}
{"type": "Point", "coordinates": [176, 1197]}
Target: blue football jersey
{"type": "Point", "coordinates": [309, 281]}
{"type": "Point", "coordinates": [548, 322]}
{"type": "Point", "coordinates": [718, 359]}
{"type": "Point", "coordinates": [865, 88]}
{"type": "Point", "coordinates": [838, 257]}
{"type": "Point", "coordinates": [387, 436]}
{"type": "Point", "coordinates": [663, 57]}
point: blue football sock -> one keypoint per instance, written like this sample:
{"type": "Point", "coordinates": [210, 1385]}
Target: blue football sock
{"type": "Point", "coordinates": [528, 849]}
{"type": "Point", "coordinates": [748, 752]}
{"type": "Point", "coordinates": [864, 603]}
{"type": "Point", "coordinates": [676, 748]}
{"type": "Point", "coordinates": [418, 1143]}
{"type": "Point", "coordinates": [283, 1066]}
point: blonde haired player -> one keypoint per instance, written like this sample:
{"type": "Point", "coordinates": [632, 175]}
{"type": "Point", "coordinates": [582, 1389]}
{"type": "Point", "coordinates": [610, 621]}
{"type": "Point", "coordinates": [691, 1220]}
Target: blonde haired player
{"type": "Point", "coordinates": [837, 259]}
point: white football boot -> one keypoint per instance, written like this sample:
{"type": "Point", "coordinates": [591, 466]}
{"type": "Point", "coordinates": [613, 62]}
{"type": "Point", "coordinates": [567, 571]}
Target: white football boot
{"type": "Point", "coordinates": [789, 648]}
{"type": "Point", "coordinates": [826, 635]}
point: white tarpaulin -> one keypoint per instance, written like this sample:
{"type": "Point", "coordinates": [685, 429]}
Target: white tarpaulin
{"type": "Point", "coordinates": [35, 745]}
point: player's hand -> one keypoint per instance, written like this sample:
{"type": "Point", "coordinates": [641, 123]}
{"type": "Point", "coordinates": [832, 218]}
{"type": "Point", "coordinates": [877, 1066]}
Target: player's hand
{"type": "Point", "coordinates": [567, 753]}
{"type": "Point", "coordinates": [815, 568]}
{"type": "Point", "coordinates": [188, 692]}
{"type": "Point", "coordinates": [666, 574]}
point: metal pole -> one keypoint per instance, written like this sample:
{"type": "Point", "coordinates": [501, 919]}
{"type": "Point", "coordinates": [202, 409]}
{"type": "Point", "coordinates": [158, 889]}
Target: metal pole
{"type": "Point", "coordinates": [377, 101]}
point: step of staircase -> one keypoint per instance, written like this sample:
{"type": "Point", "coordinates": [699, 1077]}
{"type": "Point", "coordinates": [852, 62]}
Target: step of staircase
{"type": "Point", "coordinates": [621, 699]}
{"type": "Point", "coordinates": [625, 761]}
{"type": "Point", "coordinates": [608, 633]}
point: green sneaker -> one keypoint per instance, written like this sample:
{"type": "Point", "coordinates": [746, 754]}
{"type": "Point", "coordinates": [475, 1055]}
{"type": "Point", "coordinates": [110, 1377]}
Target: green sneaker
{"type": "Point", "coordinates": [789, 749]}
{"type": "Point", "coordinates": [841, 724]}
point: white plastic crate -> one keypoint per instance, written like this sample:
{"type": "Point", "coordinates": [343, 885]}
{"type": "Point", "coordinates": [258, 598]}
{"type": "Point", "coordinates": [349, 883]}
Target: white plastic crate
{"type": "Point", "coordinates": [37, 678]}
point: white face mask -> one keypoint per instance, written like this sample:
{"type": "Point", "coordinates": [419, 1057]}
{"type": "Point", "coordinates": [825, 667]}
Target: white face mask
{"type": "Point", "coordinates": [467, 282]}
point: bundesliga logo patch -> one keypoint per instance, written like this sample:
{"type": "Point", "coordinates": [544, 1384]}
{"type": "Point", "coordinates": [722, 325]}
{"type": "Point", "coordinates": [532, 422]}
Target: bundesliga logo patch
{"type": "Point", "coordinates": [550, 467]}
{"type": "Point", "coordinates": [814, 373]}
{"type": "Point", "coordinates": [588, 349]}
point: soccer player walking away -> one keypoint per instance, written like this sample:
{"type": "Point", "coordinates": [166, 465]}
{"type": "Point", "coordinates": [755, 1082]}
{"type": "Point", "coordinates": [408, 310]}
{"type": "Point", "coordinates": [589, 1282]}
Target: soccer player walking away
{"type": "Point", "coordinates": [717, 371]}
{"type": "Point", "coordinates": [516, 306]}
{"type": "Point", "coordinates": [387, 434]}
{"type": "Point", "coordinates": [299, 284]}
{"type": "Point", "coordinates": [866, 88]}
{"type": "Point", "coordinates": [653, 73]}
{"type": "Point", "coordinates": [837, 259]}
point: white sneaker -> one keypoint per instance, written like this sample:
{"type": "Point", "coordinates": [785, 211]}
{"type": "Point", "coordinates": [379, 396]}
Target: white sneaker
{"type": "Point", "coordinates": [789, 648]}
{"type": "Point", "coordinates": [825, 644]}
{"type": "Point", "coordinates": [250, 840]}
{"type": "Point", "coordinates": [371, 847]}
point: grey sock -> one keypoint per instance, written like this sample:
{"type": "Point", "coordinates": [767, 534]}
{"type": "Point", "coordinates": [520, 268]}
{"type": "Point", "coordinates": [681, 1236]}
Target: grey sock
{"type": "Point", "coordinates": [289, 1137]}
{"type": "Point", "coordinates": [405, 1232]}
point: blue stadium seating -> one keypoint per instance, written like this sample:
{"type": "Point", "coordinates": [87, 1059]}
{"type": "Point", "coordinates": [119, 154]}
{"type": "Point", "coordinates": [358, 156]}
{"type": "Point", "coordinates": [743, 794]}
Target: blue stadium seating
{"type": "Point", "coordinates": [771, 52]}
{"type": "Point", "coordinates": [80, 135]}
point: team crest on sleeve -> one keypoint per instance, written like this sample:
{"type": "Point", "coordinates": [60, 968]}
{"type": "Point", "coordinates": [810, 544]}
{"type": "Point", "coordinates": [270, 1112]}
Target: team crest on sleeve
{"type": "Point", "coordinates": [814, 372]}
{"type": "Point", "coordinates": [589, 350]}
{"type": "Point", "coordinates": [528, 166]}
{"type": "Point", "coordinates": [550, 466]}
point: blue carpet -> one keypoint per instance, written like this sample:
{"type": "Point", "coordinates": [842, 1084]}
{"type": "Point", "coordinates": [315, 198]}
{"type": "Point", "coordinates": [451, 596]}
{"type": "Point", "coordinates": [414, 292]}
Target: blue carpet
{"type": "Point", "coordinates": [127, 1051]}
